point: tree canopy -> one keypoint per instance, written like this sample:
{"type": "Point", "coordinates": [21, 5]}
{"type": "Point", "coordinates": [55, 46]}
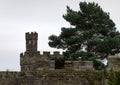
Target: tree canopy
{"type": "Point", "coordinates": [92, 34]}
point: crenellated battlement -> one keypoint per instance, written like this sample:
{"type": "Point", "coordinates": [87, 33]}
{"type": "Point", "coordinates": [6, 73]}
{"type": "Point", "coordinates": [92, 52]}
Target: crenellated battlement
{"type": "Point", "coordinates": [33, 60]}
{"type": "Point", "coordinates": [31, 41]}
{"type": "Point", "coordinates": [44, 53]}
{"type": "Point", "coordinates": [32, 35]}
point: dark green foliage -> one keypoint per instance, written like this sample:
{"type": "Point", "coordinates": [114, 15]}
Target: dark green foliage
{"type": "Point", "coordinates": [99, 74]}
{"type": "Point", "coordinates": [91, 30]}
{"type": "Point", "coordinates": [83, 56]}
{"type": "Point", "coordinates": [117, 78]}
{"type": "Point", "coordinates": [22, 74]}
{"type": "Point", "coordinates": [113, 78]}
{"type": "Point", "coordinates": [97, 65]}
{"type": "Point", "coordinates": [59, 62]}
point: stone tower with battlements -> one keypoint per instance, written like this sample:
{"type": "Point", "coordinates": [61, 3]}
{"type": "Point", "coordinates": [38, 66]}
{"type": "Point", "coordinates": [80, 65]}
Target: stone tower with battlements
{"type": "Point", "coordinates": [31, 59]}
{"type": "Point", "coordinates": [31, 41]}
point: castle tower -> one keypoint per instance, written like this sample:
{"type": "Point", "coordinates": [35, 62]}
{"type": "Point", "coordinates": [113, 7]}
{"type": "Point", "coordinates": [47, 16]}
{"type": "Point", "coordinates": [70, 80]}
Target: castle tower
{"type": "Point", "coordinates": [31, 59]}
{"type": "Point", "coordinates": [31, 41]}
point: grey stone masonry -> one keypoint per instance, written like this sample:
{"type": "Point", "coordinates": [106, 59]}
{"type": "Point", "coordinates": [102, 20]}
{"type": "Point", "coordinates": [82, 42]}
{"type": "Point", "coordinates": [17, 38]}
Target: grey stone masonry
{"type": "Point", "coordinates": [79, 65]}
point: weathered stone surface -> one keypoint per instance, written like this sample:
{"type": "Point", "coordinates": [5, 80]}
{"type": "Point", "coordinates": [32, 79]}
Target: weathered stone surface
{"type": "Point", "coordinates": [56, 77]}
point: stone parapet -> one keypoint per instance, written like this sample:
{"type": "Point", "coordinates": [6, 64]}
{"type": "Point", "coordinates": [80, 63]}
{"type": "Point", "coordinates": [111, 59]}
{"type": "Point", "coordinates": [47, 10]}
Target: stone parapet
{"type": "Point", "coordinates": [79, 65]}
{"type": "Point", "coordinates": [50, 77]}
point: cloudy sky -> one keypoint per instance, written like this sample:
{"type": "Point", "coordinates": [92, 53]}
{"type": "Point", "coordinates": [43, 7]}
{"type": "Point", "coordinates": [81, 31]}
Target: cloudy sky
{"type": "Point", "coordinates": [42, 16]}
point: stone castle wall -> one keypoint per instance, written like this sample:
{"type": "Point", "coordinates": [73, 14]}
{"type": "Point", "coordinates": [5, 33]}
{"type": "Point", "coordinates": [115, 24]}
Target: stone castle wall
{"type": "Point", "coordinates": [36, 61]}
{"type": "Point", "coordinates": [39, 69]}
{"type": "Point", "coordinates": [32, 61]}
{"type": "Point", "coordinates": [50, 78]}
{"type": "Point", "coordinates": [114, 63]}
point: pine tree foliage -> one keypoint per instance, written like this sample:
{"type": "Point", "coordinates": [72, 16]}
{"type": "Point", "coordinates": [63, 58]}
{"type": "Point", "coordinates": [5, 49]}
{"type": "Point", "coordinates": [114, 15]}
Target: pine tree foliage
{"type": "Point", "coordinates": [92, 34]}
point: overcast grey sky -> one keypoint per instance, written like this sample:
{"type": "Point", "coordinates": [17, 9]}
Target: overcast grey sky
{"type": "Point", "coordinates": [42, 16]}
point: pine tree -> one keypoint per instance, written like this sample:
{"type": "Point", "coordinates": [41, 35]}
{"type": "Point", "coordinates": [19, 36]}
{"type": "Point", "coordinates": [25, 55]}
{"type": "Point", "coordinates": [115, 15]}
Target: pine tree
{"type": "Point", "coordinates": [92, 34]}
